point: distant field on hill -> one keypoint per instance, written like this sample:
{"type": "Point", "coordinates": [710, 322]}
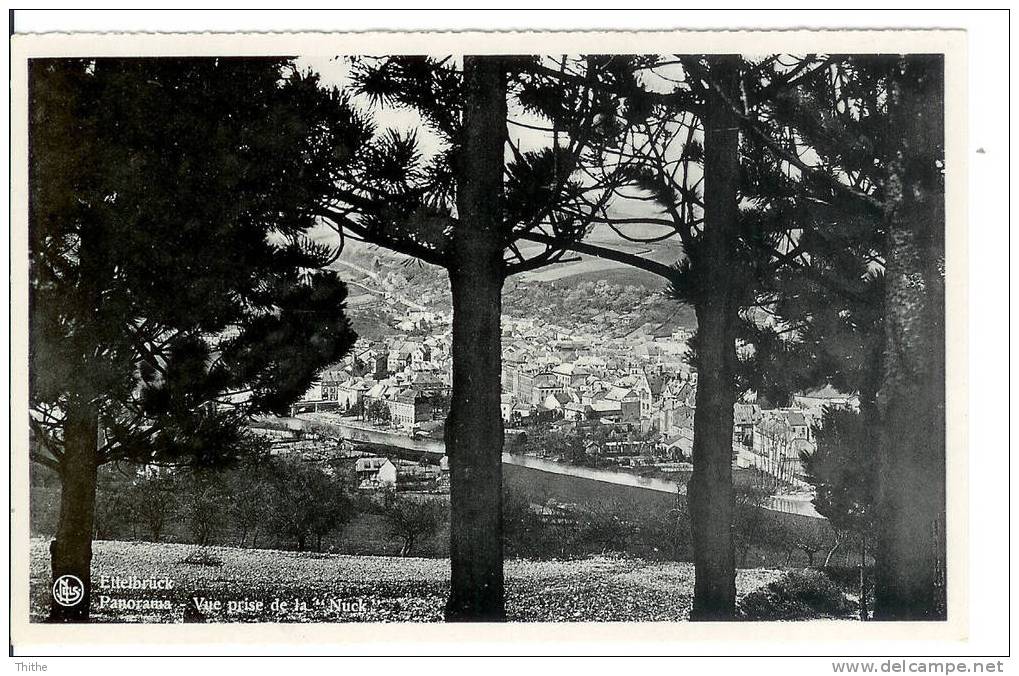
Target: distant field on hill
{"type": "Point", "coordinates": [589, 267]}
{"type": "Point", "coordinates": [593, 268]}
{"type": "Point", "coordinates": [623, 275]}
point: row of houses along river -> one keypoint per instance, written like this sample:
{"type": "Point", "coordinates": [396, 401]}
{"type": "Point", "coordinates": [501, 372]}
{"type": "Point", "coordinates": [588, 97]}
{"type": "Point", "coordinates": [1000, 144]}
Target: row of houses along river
{"type": "Point", "coordinates": [540, 479]}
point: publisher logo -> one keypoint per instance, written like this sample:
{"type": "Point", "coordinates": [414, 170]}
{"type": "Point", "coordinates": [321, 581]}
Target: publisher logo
{"type": "Point", "coordinates": [68, 590]}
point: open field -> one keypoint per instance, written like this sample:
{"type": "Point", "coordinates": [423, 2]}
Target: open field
{"type": "Point", "coordinates": [622, 275]}
{"type": "Point", "coordinates": [337, 588]}
{"type": "Point", "coordinates": [593, 268]}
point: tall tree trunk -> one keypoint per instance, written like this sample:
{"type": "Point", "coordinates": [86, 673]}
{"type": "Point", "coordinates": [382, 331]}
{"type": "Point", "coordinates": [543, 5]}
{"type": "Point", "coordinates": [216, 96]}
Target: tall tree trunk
{"type": "Point", "coordinates": [71, 549]}
{"type": "Point", "coordinates": [863, 578]}
{"type": "Point", "coordinates": [474, 434]}
{"type": "Point", "coordinates": [870, 417]}
{"type": "Point", "coordinates": [710, 491]}
{"type": "Point", "coordinates": [909, 581]}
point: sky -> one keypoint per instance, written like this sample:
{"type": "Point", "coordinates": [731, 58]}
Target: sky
{"type": "Point", "coordinates": [336, 71]}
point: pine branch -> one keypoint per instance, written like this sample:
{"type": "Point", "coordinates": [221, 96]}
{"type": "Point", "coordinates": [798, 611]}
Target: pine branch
{"type": "Point", "coordinates": [46, 439]}
{"type": "Point", "coordinates": [790, 79]}
{"type": "Point", "coordinates": [751, 125]}
{"type": "Point", "coordinates": [106, 453]}
{"type": "Point", "coordinates": [541, 261]}
{"type": "Point", "coordinates": [45, 461]}
{"type": "Point", "coordinates": [678, 98]}
{"type": "Point", "coordinates": [400, 245]}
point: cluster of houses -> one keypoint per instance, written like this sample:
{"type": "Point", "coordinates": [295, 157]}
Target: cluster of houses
{"type": "Point", "coordinates": [652, 413]}
{"type": "Point", "coordinates": [408, 377]}
{"type": "Point", "coordinates": [375, 472]}
{"type": "Point", "coordinates": [616, 379]}
{"type": "Point", "coordinates": [773, 440]}
{"type": "Point", "coordinates": [637, 387]}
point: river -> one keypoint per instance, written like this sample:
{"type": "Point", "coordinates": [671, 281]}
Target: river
{"type": "Point", "coordinates": [528, 471]}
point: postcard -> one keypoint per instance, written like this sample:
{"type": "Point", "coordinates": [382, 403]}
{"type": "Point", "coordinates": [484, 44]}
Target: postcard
{"type": "Point", "coordinates": [622, 335]}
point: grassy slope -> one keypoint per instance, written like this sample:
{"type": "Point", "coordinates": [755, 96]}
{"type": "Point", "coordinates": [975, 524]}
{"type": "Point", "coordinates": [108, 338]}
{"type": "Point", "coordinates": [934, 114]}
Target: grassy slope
{"type": "Point", "coordinates": [393, 589]}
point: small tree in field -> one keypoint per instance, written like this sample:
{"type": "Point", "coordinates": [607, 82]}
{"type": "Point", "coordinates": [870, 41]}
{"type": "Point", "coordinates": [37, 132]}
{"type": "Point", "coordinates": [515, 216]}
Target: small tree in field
{"type": "Point", "coordinates": [203, 497]}
{"type": "Point", "coordinates": [335, 508]}
{"type": "Point", "coordinates": [790, 534]}
{"type": "Point", "coordinates": [378, 412]}
{"type": "Point", "coordinates": [412, 520]}
{"type": "Point", "coordinates": [812, 539]}
{"type": "Point", "coordinates": [306, 503]}
{"type": "Point", "coordinates": [749, 518]}
{"type": "Point", "coordinates": [250, 501]}
{"type": "Point", "coordinates": [152, 502]}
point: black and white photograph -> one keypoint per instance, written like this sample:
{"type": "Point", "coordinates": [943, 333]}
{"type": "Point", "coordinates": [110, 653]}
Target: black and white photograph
{"type": "Point", "coordinates": [457, 335]}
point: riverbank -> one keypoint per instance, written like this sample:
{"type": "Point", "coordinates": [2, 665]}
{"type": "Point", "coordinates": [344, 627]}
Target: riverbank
{"type": "Point", "coordinates": [612, 481]}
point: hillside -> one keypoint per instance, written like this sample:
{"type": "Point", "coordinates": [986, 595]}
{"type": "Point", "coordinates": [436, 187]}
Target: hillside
{"type": "Point", "coordinates": [569, 295]}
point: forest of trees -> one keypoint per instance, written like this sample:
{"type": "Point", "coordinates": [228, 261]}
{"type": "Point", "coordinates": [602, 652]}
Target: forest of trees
{"type": "Point", "coordinates": [806, 192]}
{"type": "Point", "coordinates": [783, 179]}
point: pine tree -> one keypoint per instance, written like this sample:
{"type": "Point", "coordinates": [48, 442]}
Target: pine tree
{"type": "Point", "coordinates": [730, 246]}
{"type": "Point", "coordinates": [172, 292]}
{"type": "Point", "coordinates": [464, 209]}
{"type": "Point", "coordinates": [843, 470]}
{"type": "Point", "coordinates": [712, 283]}
{"type": "Point", "coordinates": [804, 256]}
{"type": "Point", "coordinates": [872, 285]}
{"type": "Point", "coordinates": [910, 582]}
{"type": "Point", "coordinates": [666, 140]}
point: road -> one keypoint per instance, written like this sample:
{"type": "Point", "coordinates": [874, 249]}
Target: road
{"type": "Point", "coordinates": [378, 280]}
